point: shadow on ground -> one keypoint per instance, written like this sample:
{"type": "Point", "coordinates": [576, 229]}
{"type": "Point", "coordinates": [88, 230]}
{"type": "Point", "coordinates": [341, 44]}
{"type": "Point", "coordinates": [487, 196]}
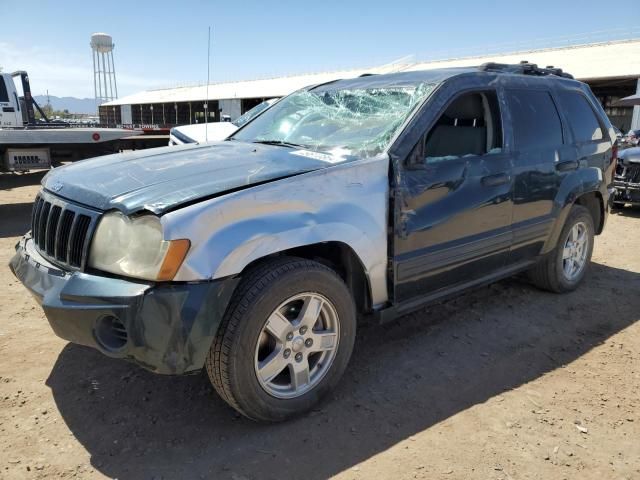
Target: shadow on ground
{"type": "Point", "coordinates": [627, 211]}
{"type": "Point", "coordinates": [17, 180]}
{"type": "Point", "coordinates": [15, 219]}
{"type": "Point", "coordinates": [403, 378]}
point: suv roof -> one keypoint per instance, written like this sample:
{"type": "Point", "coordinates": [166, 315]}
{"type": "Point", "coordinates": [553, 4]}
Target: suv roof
{"type": "Point", "coordinates": [438, 75]}
{"type": "Point", "coordinates": [524, 68]}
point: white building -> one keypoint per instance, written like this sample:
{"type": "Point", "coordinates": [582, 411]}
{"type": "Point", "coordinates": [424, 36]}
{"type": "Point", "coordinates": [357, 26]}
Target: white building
{"type": "Point", "coordinates": [612, 69]}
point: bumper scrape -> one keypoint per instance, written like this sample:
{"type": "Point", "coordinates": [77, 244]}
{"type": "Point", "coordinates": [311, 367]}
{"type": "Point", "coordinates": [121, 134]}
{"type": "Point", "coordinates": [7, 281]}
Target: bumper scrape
{"type": "Point", "coordinates": [169, 327]}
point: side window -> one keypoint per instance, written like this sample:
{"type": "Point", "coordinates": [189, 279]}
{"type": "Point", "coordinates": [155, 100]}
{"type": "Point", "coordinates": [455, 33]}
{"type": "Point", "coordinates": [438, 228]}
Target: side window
{"type": "Point", "coordinates": [4, 96]}
{"type": "Point", "coordinates": [534, 119]}
{"type": "Point", "coordinates": [470, 125]}
{"type": "Point", "coordinates": [580, 115]}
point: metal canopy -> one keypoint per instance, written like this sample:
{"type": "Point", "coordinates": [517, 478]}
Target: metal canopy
{"type": "Point", "coordinates": [630, 101]}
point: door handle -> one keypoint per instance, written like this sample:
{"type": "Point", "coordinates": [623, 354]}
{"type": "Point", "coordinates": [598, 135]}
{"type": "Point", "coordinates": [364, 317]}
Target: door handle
{"type": "Point", "coordinates": [495, 180]}
{"type": "Point", "coordinates": [566, 166]}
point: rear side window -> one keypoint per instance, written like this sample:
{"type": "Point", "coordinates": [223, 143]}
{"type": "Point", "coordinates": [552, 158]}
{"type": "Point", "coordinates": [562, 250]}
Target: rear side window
{"type": "Point", "coordinates": [4, 96]}
{"type": "Point", "coordinates": [580, 115]}
{"type": "Point", "coordinates": [535, 120]}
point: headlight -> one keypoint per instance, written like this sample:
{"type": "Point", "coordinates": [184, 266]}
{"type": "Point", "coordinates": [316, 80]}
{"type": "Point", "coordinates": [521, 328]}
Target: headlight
{"type": "Point", "coordinates": [134, 247]}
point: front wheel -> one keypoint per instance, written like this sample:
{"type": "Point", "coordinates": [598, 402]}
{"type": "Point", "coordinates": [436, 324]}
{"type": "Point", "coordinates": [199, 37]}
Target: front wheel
{"type": "Point", "coordinates": [285, 340]}
{"type": "Point", "coordinates": [563, 269]}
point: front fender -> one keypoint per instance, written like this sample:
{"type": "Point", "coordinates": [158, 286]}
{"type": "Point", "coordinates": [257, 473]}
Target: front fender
{"type": "Point", "coordinates": [343, 203]}
{"type": "Point", "coordinates": [574, 185]}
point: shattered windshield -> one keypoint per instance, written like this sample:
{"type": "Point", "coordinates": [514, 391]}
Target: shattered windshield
{"type": "Point", "coordinates": [340, 122]}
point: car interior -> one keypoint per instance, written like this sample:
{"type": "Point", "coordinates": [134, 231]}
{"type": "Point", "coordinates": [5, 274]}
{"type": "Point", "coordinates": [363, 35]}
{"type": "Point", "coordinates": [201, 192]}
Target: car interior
{"type": "Point", "coordinates": [469, 126]}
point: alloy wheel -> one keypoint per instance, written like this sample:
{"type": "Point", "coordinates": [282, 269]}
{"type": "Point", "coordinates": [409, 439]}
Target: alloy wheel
{"type": "Point", "coordinates": [574, 253]}
{"type": "Point", "coordinates": [297, 345]}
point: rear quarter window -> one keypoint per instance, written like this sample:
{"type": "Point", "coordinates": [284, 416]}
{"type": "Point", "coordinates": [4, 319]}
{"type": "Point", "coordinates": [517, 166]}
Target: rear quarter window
{"type": "Point", "coordinates": [581, 117]}
{"type": "Point", "coordinates": [535, 119]}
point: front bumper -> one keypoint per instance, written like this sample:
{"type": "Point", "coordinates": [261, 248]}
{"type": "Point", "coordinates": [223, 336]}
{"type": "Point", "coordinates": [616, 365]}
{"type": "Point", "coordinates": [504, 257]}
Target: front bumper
{"type": "Point", "coordinates": [166, 328]}
{"type": "Point", "coordinates": [626, 192]}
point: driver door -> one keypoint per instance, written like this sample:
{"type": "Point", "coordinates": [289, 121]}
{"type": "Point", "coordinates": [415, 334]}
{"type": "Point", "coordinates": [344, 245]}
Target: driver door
{"type": "Point", "coordinates": [453, 202]}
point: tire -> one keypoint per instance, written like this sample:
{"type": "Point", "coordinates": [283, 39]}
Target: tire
{"type": "Point", "coordinates": [549, 273]}
{"type": "Point", "coordinates": [235, 357]}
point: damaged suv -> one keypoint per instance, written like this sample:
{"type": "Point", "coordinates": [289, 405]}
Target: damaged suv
{"type": "Point", "coordinates": [369, 196]}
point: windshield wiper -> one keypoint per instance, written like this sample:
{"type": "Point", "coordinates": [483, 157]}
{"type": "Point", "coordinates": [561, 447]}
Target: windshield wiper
{"type": "Point", "coordinates": [280, 143]}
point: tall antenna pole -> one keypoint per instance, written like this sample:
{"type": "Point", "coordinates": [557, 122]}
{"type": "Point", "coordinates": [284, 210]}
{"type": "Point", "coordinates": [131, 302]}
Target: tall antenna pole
{"type": "Point", "coordinates": [206, 110]}
{"type": "Point", "coordinates": [95, 84]}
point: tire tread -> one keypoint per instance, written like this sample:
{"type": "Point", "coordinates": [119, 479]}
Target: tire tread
{"type": "Point", "coordinates": [545, 274]}
{"type": "Point", "coordinates": [254, 282]}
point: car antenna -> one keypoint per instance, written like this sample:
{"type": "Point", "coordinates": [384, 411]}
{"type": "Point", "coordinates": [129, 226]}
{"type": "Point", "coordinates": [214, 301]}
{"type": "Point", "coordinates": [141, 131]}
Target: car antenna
{"type": "Point", "coordinates": [206, 105]}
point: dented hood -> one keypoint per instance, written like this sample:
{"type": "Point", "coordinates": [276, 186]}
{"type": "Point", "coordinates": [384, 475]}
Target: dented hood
{"type": "Point", "coordinates": [164, 178]}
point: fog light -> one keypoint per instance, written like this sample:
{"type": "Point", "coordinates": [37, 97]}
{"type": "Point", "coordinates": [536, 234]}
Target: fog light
{"type": "Point", "coordinates": [110, 333]}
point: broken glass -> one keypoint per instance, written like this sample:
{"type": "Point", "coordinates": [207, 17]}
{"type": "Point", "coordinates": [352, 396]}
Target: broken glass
{"type": "Point", "coordinates": [339, 122]}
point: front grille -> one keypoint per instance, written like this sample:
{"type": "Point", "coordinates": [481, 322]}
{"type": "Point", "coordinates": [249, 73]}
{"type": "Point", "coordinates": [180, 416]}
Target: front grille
{"type": "Point", "coordinates": [62, 231]}
{"type": "Point", "coordinates": [630, 173]}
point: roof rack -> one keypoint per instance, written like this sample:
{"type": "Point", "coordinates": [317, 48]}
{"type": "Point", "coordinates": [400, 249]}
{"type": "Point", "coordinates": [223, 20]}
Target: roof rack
{"type": "Point", "coordinates": [524, 68]}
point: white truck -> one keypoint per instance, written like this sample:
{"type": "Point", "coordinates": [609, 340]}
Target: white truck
{"type": "Point", "coordinates": [27, 143]}
{"type": "Point", "coordinates": [215, 131]}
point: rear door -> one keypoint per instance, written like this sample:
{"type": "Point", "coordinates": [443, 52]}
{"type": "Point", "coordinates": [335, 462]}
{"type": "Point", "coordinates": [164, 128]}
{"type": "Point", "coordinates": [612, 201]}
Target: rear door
{"type": "Point", "coordinates": [541, 157]}
{"type": "Point", "coordinates": [453, 199]}
{"type": "Point", "coordinates": [589, 135]}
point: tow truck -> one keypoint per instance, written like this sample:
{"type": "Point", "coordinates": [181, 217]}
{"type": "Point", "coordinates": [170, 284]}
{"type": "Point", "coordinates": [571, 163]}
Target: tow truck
{"type": "Point", "coordinates": [28, 143]}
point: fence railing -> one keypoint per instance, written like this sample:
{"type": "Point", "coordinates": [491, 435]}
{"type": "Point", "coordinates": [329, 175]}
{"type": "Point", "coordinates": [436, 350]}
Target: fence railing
{"type": "Point", "coordinates": [595, 37]}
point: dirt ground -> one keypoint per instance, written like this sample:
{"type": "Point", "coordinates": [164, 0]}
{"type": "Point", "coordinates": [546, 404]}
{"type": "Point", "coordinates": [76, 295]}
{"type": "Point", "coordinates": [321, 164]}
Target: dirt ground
{"type": "Point", "coordinates": [507, 382]}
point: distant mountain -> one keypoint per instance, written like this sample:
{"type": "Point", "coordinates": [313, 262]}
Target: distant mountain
{"type": "Point", "coordinates": [73, 104]}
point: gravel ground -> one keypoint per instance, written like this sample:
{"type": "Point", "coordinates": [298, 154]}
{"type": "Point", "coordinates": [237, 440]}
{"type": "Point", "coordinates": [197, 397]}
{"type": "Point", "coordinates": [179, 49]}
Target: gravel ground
{"type": "Point", "coordinates": [506, 382]}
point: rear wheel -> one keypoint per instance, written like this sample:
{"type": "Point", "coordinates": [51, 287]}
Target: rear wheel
{"type": "Point", "coordinates": [285, 340]}
{"type": "Point", "coordinates": [563, 269]}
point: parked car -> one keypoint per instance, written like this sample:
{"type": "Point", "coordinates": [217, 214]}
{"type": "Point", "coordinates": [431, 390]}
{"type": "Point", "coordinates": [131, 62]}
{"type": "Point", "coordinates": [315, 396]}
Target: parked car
{"type": "Point", "coordinates": [627, 178]}
{"type": "Point", "coordinates": [632, 138]}
{"type": "Point", "coordinates": [214, 131]}
{"type": "Point", "coordinates": [374, 196]}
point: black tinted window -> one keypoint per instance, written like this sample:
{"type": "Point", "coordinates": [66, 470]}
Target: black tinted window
{"type": "Point", "coordinates": [4, 96]}
{"type": "Point", "coordinates": [580, 116]}
{"type": "Point", "coordinates": [535, 120]}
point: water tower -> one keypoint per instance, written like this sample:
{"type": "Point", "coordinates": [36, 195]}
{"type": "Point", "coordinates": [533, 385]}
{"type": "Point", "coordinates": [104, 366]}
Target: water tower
{"type": "Point", "coordinates": [104, 72]}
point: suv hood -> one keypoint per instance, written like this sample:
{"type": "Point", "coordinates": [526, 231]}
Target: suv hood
{"type": "Point", "coordinates": [164, 178]}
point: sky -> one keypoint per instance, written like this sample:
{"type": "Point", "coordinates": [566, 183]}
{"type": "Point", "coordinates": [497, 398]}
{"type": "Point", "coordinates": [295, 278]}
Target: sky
{"type": "Point", "coordinates": [164, 43]}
